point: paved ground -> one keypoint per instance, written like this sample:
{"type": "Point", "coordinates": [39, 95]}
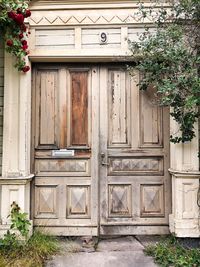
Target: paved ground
{"type": "Point", "coordinates": [115, 252]}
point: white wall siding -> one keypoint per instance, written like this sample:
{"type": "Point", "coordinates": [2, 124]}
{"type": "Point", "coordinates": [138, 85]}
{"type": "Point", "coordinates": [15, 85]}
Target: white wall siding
{"type": "Point", "coordinates": [1, 100]}
{"type": "Point", "coordinates": [54, 39]}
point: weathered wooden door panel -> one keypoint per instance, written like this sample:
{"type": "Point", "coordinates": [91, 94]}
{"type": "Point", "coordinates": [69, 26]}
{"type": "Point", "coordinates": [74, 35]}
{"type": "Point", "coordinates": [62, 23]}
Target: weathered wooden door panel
{"type": "Point", "coordinates": [79, 110]}
{"type": "Point", "coordinates": [65, 188]}
{"type": "Point", "coordinates": [47, 84]}
{"type": "Point", "coordinates": [120, 140]}
{"type": "Point", "coordinates": [134, 145]}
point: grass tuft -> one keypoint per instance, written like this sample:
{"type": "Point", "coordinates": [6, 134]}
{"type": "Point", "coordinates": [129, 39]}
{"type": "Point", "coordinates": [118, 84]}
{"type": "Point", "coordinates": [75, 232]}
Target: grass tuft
{"type": "Point", "coordinates": [170, 252]}
{"type": "Point", "coordinates": [31, 254]}
{"type": "Point", "coordinates": [70, 246]}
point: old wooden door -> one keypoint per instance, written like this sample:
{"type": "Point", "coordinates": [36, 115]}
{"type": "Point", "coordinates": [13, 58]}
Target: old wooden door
{"type": "Point", "coordinates": [134, 151]}
{"type": "Point", "coordinates": [116, 182]}
{"type": "Point", "coordinates": [64, 112]}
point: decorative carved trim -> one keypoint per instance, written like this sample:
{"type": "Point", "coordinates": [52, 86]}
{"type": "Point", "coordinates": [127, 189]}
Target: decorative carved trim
{"type": "Point", "coordinates": [16, 180]}
{"type": "Point", "coordinates": [83, 4]}
{"type": "Point", "coordinates": [74, 19]}
{"type": "Point", "coordinates": [136, 165]}
{"type": "Point", "coordinates": [185, 174]}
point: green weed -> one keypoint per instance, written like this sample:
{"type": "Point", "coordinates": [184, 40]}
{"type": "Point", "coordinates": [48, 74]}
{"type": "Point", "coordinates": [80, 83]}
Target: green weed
{"type": "Point", "coordinates": [170, 252]}
{"type": "Point", "coordinates": [32, 253]}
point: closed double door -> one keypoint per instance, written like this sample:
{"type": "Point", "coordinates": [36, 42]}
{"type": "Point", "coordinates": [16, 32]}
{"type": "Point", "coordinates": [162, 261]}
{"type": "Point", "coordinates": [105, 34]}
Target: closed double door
{"type": "Point", "coordinates": [100, 152]}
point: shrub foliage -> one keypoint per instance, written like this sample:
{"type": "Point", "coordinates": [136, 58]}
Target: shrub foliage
{"type": "Point", "coordinates": [168, 57]}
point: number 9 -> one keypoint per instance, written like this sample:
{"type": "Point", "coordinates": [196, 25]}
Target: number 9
{"type": "Point", "coordinates": [103, 37]}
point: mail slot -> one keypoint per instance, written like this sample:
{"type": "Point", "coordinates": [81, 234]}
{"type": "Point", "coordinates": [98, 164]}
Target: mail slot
{"type": "Point", "coordinates": [62, 153]}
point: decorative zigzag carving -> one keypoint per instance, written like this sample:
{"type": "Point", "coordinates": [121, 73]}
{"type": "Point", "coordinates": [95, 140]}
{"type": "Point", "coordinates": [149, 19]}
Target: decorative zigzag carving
{"type": "Point", "coordinates": [53, 19]}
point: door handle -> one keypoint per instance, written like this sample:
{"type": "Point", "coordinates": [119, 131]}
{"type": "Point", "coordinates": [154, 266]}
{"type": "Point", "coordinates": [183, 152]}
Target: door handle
{"type": "Point", "coordinates": [103, 163]}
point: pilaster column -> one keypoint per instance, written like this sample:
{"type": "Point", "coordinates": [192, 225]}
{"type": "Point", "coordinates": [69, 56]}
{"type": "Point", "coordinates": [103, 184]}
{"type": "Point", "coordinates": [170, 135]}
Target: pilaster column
{"type": "Point", "coordinates": [16, 176]}
{"type": "Point", "coordinates": [184, 220]}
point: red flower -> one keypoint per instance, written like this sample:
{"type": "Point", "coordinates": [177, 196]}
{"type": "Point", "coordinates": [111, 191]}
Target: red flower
{"type": "Point", "coordinates": [25, 69]}
{"type": "Point", "coordinates": [21, 35]}
{"type": "Point", "coordinates": [23, 28]}
{"type": "Point", "coordinates": [24, 42]}
{"type": "Point", "coordinates": [11, 14]}
{"type": "Point", "coordinates": [28, 13]}
{"type": "Point", "coordinates": [9, 43]}
{"type": "Point", "coordinates": [19, 11]}
{"type": "Point", "coordinates": [19, 18]}
{"type": "Point", "coordinates": [24, 47]}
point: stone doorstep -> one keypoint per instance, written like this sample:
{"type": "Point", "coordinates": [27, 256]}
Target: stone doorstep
{"type": "Point", "coordinates": [128, 243]}
{"type": "Point", "coordinates": [78, 244]}
{"type": "Point", "coordinates": [124, 251]}
{"type": "Point", "coordinates": [91, 244]}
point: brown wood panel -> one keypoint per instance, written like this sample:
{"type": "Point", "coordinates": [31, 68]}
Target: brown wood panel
{"type": "Point", "coordinates": [151, 120]}
{"type": "Point", "coordinates": [47, 108]}
{"type": "Point", "coordinates": [79, 108]}
{"type": "Point", "coordinates": [62, 109]}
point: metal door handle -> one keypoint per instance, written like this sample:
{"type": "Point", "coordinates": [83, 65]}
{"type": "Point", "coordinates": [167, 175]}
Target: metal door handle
{"type": "Point", "coordinates": [103, 163]}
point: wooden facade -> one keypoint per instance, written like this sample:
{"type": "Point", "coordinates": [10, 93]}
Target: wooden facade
{"type": "Point", "coordinates": [85, 152]}
{"type": "Point", "coordinates": [1, 100]}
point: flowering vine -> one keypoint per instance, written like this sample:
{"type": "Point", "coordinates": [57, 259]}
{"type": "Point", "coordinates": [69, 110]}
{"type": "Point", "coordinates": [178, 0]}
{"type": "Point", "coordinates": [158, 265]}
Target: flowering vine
{"type": "Point", "coordinates": [13, 30]}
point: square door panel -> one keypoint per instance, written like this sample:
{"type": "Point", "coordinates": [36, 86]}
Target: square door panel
{"type": "Point", "coordinates": [120, 199]}
{"type": "Point", "coordinates": [78, 204]}
{"type": "Point", "coordinates": [152, 200]}
{"type": "Point", "coordinates": [46, 202]}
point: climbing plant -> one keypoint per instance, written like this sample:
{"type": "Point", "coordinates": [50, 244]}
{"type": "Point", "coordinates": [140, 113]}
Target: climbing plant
{"type": "Point", "coordinates": [167, 56]}
{"type": "Point", "coordinates": [13, 30]}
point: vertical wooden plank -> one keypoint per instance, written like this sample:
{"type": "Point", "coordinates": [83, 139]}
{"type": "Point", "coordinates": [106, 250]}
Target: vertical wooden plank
{"type": "Point", "coordinates": [1, 95]}
{"type": "Point", "coordinates": [37, 105]}
{"type": "Point", "coordinates": [118, 116]}
{"type": "Point", "coordinates": [47, 109]}
{"type": "Point", "coordinates": [62, 109]}
{"type": "Point", "coordinates": [135, 105]}
{"type": "Point", "coordinates": [94, 91]}
{"type": "Point", "coordinates": [103, 97]}
{"type": "Point", "coordinates": [150, 119]}
{"type": "Point", "coordinates": [34, 125]}
{"type": "Point", "coordinates": [79, 108]}
{"type": "Point", "coordinates": [124, 38]}
{"type": "Point", "coordinates": [118, 108]}
{"type": "Point", "coordinates": [32, 40]}
{"type": "Point", "coordinates": [78, 41]}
